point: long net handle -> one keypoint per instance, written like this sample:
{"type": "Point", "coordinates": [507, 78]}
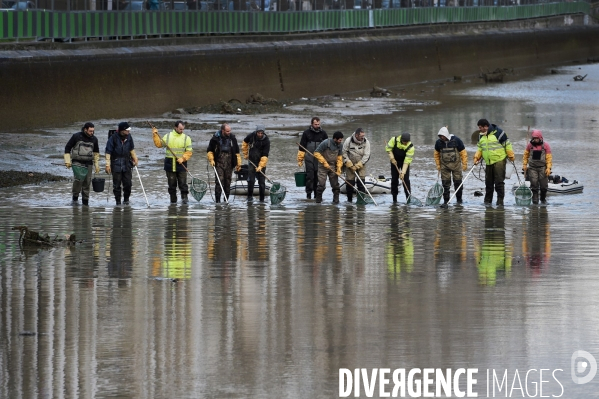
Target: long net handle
{"type": "Point", "coordinates": [404, 183]}
{"type": "Point", "coordinates": [365, 188]}
{"type": "Point", "coordinates": [142, 186]}
{"type": "Point", "coordinates": [221, 185]}
{"type": "Point", "coordinates": [270, 181]}
{"type": "Point", "coordinates": [331, 169]}
{"type": "Point", "coordinates": [461, 184]}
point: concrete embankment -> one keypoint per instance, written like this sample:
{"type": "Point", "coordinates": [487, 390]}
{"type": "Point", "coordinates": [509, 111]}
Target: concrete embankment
{"type": "Point", "coordinates": [50, 84]}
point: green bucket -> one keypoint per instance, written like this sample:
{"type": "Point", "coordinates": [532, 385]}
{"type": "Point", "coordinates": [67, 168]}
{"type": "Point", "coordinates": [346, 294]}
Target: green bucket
{"type": "Point", "coordinates": [300, 179]}
{"type": "Point", "coordinates": [79, 171]}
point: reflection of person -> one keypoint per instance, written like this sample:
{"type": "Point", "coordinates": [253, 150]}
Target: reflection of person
{"type": "Point", "coordinates": [180, 144]}
{"type": "Point", "coordinates": [329, 155]}
{"type": "Point", "coordinates": [176, 263]}
{"type": "Point", "coordinates": [120, 158]}
{"type": "Point", "coordinates": [311, 138]}
{"type": "Point", "coordinates": [493, 147]}
{"type": "Point", "coordinates": [83, 150]}
{"type": "Point", "coordinates": [356, 153]}
{"type": "Point", "coordinates": [538, 166]}
{"type": "Point", "coordinates": [256, 147]}
{"type": "Point", "coordinates": [536, 241]}
{"type": "Point", "coordinates": [223, 154]}
{"type": "Point", "coordinates": [451, 159]}
{"type": "Point", "coordinates": [494, 255]}
{"type": "Point", "coordinates": [401, 152]}
{"type": "Point", "coordinates": [399, 250]}
{"type": "Point", "coordinates": [257, 240]}
{"type": "Point", "coordinates": [120, 261]}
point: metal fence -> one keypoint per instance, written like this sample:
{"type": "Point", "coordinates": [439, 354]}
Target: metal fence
{"type": "Point", "coordinates": [45, 24]}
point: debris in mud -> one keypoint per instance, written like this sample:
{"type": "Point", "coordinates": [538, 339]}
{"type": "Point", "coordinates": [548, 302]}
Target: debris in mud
{"type": "Point", "coordinates": [579, 78]}
{"type": "Point", "coordinates": [457, 78]}
{"type": "Point", "coordinates": [13, 178]}
{"type": "Point", "coordinates": [260, 99]}
{"type": "Point", "coordinates": [497, 75]}
{"type": "Point", "coordinates": [380, 92]}
{"type": "Point", "coordinates": [27, 236]}
{"type": "Point", "coordinates": [260, 105]}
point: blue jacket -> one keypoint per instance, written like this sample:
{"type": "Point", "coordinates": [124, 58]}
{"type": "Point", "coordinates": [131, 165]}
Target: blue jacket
{"type": "Point", "coordinates": [119, 150]}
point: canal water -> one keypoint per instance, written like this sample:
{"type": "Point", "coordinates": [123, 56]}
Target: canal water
{"type": "Point", "coordinates": [262, 301]}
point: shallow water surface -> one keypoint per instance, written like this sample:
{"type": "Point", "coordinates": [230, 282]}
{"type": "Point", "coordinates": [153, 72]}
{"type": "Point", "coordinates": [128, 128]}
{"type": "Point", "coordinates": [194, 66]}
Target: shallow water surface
{"type": "Point", "coordinates": [268, 301]}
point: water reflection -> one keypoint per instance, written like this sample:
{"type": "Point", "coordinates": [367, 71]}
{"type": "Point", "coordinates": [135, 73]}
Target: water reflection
{"type": "Point", "coordinates": [121, 245]}
{"type": "Point", "coordinates": [536, 240]}
{"type": "Point", "coordinates": [494, 255]}
{"type": "Point", "coordinates": [176, 259]}
{"type": "Point", "coordinates": [400, 245]}
{"type": "Point", "coordinates": [450, 245]}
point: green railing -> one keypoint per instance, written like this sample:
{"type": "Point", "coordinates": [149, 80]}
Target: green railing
{"type": "Point", "coordinates": [103, 24]}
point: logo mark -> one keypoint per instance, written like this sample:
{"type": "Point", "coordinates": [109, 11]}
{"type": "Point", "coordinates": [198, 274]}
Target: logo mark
{"type": "Point", "coordinates": [579, 366]}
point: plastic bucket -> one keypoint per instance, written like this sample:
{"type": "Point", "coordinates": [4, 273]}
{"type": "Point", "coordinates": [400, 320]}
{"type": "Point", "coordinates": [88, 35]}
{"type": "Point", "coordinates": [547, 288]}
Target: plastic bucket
{"type": "Point", "coordinates": [509, 169]}
{"type": "Point", "coordinates": [98, 184]}
{"type": "Point", "coordinates": [300, 179]}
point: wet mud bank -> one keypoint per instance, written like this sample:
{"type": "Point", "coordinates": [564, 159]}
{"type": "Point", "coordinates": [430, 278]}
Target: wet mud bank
{"type": "Point", "coordinates": [13, 178]}
{"type": "Point", "coordinates": [53, 86]}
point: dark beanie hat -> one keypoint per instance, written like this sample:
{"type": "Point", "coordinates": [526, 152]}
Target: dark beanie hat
{"type": "Point", "coordinates": [405, 137]}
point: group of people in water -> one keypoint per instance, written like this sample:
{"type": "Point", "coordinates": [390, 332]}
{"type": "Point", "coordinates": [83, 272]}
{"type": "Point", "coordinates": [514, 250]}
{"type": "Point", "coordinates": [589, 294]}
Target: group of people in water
{"type": "Point", "coordinates": [323, 158]}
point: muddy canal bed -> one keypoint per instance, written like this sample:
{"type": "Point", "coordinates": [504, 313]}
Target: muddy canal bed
{"type": "Point", "coordinates": [264, 301]}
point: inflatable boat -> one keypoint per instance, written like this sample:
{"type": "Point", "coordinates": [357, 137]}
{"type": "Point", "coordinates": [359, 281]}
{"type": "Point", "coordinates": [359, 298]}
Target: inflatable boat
{"type": "Point", "coordinates": [381, 185]}
{"type": "Point", "coordinates": [559, 185]}
{"type": "Point", "coordinates": [240, 187]}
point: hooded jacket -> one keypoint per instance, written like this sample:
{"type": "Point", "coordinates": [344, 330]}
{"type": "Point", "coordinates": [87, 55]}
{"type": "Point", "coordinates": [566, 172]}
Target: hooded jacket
{"type": "Point", "coordinates": [541, 153]}
{"type": "Point", "coordinates": [444, 149]}
{"type": "Point", "coordinates": [355, 151]}
{"type": "Point", "coordinates": [254, 148]}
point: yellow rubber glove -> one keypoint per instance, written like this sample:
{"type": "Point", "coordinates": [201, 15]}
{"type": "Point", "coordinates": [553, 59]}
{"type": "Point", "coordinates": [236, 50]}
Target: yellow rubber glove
{"type": "Point", "coordinates": [510, 155]}
{"type": "Point", "coordinates": [245, 148]}
{"type": "Point", "coordinates": [359, 165]}
{"type": "Point", "coordinates": [211, 158]}
{"type": "Point", "coordinates": [67, 160]}
{"type": "Point", "coordinates": [339, 164]}
{"type": "Point", "coordinates": [549, 161]}
{"type": "Point", "coordinates": [134, 157]}
{"type": "Point", "coordinates": [477, 157]}
{"type": "Point", "coordinates": [238, 167]}
{"type": "Point", "coordinates": [437, 156]}
{"type": "Point", "coordinates": [404, 169]}
{"type": "Point", "coordinates": [262, 164]}
{"type": "Point", "coordinates": [180, 160]}
{"type": "Point", "coordinates": [464, 156]}
{"type": "Point", "coordinates": [524, 168]}
{"type": "Point", "coordinates": [300, 158]}
{"type": "Point", "coordinates": [156, 138]}
{"type": "Point", "coordinates": [547, 172]}
{"type": "Point", "coordinates": [97, 162]}
{"type": "Point", "coordinates": [108, 163]}
{"type": "Point", "coordinates": [321, 159]}
{"type": "Point", "coordinates": [349, 164]}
